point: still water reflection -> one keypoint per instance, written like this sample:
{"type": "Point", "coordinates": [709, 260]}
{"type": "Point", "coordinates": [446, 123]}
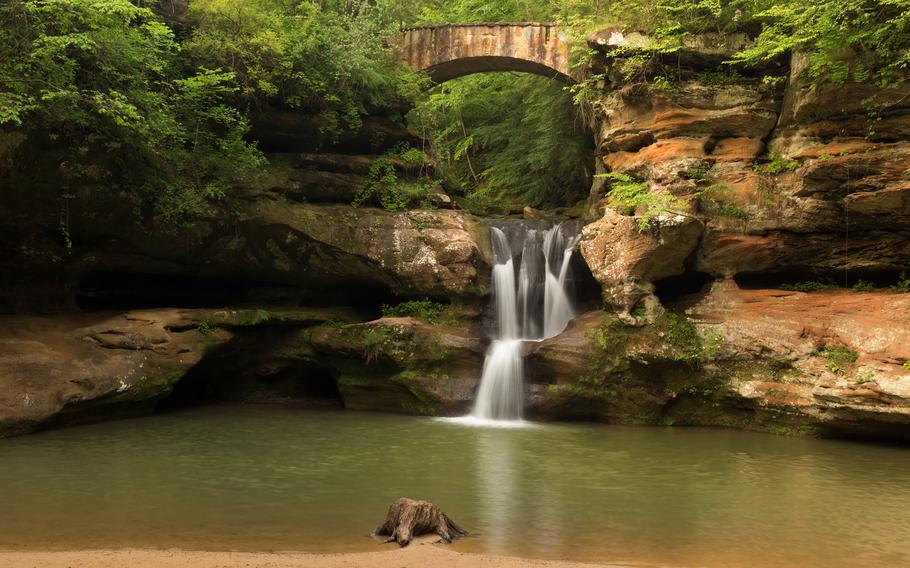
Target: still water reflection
{"type": "Point", "coordinates": [279, 478]}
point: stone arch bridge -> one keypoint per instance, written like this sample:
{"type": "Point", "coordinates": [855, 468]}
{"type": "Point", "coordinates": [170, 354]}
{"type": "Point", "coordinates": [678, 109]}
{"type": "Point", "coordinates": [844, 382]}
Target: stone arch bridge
{"type": "Point", "coordinates": [450, 51]}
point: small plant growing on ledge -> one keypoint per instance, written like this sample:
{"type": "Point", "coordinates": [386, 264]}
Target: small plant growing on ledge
{"type": "Point", "coordinates": [629, 195]}
{"type": "Point", "coordinates": [687, 342]}
{"type": "Point", "coordinates": [425, 309]}
{"type": "Point", "coordinates": [384, 184]}
{"type": "Point", "coordinates": [204, 327]}
{"type": "Point", "coordinates": [903, 284]}
{"type": "Point", "coordinates": [839, 357]}
{"type": "Point", "coordinates": [808, 286]}
{"type": "Point", "coordinates": [779, 164]}
{"type": "Point", "coordinates": [373, 339]}
{"type": "Point", "coordinates": [730, 210]}
{"type": "Point", "coordinates": [906, 365]}
{"type": "Point", "coordinates": [863, 286]}
{"type": "Point", "coordinates": [864, 375]}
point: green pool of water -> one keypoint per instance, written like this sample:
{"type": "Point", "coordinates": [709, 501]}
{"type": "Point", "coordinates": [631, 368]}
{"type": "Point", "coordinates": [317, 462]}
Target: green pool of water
{"type": "Point", "coordinates": [281, 478]}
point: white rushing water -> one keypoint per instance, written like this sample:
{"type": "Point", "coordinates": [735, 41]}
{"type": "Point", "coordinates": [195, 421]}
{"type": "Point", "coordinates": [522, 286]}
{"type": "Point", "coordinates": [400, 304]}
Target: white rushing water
{"type": "Point", "coordinates": [530, 304]}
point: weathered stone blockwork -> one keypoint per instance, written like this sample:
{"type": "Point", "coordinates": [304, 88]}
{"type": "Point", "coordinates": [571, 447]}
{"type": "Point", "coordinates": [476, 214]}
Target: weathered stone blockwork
{"type": "Point", "coordinates": [447, 52]}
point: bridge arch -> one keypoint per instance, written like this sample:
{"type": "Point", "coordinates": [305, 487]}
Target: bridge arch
{"type": "Point", "coordinates": [455, 50]}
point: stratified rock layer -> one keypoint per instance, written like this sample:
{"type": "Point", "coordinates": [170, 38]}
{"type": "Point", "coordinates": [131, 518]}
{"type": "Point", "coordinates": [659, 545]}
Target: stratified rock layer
{"type": "Point", "coordinates": [806, 182]}
{"type": "Point", "coordinates": [760, 360]}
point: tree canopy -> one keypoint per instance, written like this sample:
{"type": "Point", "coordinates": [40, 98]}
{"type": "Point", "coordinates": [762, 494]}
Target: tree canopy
{"type": "Point", "coordinates": [137, 102]}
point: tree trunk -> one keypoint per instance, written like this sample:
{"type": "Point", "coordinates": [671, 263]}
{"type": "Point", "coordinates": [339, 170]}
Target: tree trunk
{"type": "Point", "coordinates": [408, 518]}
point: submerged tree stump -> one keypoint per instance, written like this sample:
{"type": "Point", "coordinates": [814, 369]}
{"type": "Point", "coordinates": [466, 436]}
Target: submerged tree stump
{"type": "Point", "coordinates": [408, 518]}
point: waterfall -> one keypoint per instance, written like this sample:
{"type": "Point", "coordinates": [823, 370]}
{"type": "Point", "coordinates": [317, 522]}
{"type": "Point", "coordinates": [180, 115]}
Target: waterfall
{"type": "Point", "coordinates": [531, 303]}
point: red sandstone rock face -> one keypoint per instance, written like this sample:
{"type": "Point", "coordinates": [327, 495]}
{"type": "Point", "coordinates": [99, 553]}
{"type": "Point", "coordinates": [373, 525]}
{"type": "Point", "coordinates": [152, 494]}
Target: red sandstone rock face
{"type": "Point", "coordinates": [71, 368]}
{"type": "Point", "coordinates": [845, 208]}
{"type": "Point", "coordinates": [868, 396]}
{"type": "Point", "coordinates": [767, 371]}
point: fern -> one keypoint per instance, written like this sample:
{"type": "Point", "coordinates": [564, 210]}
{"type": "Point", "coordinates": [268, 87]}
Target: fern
{"type": "Point", "coordinates": [630, 196]}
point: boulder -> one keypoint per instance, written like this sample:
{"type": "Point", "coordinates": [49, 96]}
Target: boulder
{"type": "Point", "coordinates": [626, 261]}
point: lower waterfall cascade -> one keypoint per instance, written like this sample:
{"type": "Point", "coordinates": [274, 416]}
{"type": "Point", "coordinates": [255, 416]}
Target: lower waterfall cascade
{"type": "Point", "coordinates": [531, 297]}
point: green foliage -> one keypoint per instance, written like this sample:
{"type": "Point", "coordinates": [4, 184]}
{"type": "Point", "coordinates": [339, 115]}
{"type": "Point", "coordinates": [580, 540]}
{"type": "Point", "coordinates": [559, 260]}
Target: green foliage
{"type": "Point", "coordinates": [838, 357]}
{"type": "Point", "coordinates": [720, 208]}
{"type": "Point", "coordinates": [864, 375]}
{"type": "Point", "coordinates": [205, 327]}
{"type": "Point", "coordinates": [372, 341]}
{"type": "Point", "coordinates": [505, 140]}
{"type": "Point", "coordinates": [863, 286]}
{"type": "Point", "coordinates": [688, 344]}
{"type": "Point", "coordinates": [309, 55]}
{"type": "Point", "coordinates": [779, 164]}
{"type": "Point", "coordinates": [386, 187]}
{"type": "Point", "coordinates": [123, 102]}
{"type": "Point", "coordinates": [733, 211]}
{"type": "Point", "coordinates": [906, 365]}
{"type": "Point", "coordinates": [102, 83]}
{"type": "Point", "coordinates": [698, 172]}
{"type": "Point", "coordinates": [721, 77]}
{"type": "Point", "coordinates": [629, 196]}
{"type": "Point", "coordinates": [807, 286]}
{"type": "Point", "coordinates": [858, 40]}
{"type": "Point", "coordinates": [425, 309]}
{"type": "Point", "coordinates": [903, 284]}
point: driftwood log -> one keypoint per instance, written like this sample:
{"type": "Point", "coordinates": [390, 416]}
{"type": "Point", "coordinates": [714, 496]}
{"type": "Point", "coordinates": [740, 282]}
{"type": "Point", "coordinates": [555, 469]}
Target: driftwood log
{"type": "Point", "coordinates": [408, 518]}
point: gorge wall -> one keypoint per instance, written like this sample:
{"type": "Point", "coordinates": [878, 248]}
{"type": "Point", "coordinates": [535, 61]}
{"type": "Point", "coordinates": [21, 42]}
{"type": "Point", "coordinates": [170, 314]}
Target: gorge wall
{"type": "Point", "coordinates": [277, 294]}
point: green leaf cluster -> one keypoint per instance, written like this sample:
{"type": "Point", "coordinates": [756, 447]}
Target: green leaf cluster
{"type": "Point", "coordinates": [902, 286]}
{"type": "Point", "coordinates": [847, 40]}
{"type": "Point", "coordinates": [688, 344]}
{"type": "Point", "coordinates": [807, 286]}
{"type": "Point", "coordinates": [779, 164]}
{"type": "Point", "coordinates": [838, 357]}
{"type": "Point", "coordinates": [425, 309]}
{"type": "Point", "coordinates": [394, 193]}
{"type": "Point", "coordinates": [629, 196]}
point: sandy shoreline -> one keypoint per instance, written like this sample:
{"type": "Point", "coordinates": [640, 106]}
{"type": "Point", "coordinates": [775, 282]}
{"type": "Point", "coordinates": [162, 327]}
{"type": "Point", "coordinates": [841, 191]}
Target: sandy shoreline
{"type": "Point", "coordinates": [414, 556]}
